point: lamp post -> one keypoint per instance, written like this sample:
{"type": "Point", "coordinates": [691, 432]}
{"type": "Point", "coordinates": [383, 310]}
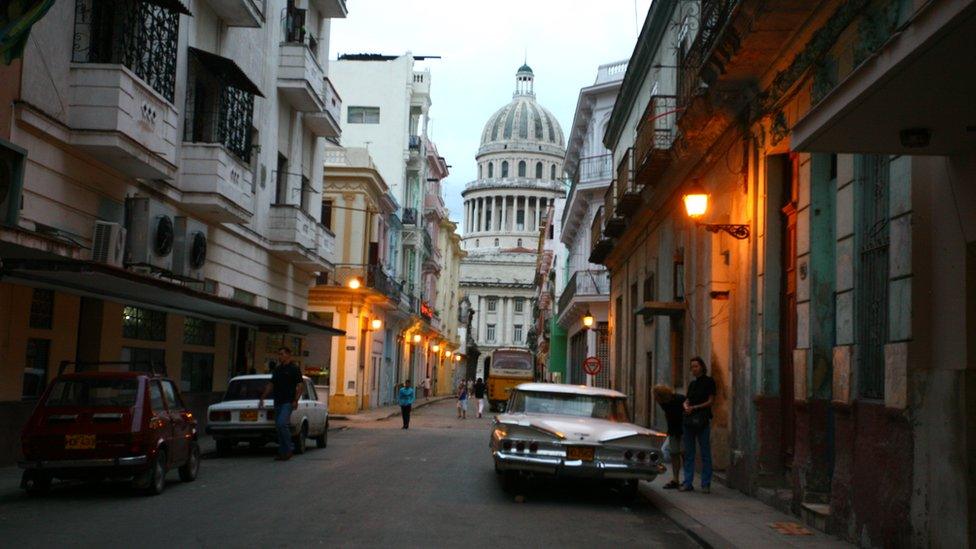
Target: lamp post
{"type": "Point", "coordinates": [696, 204]}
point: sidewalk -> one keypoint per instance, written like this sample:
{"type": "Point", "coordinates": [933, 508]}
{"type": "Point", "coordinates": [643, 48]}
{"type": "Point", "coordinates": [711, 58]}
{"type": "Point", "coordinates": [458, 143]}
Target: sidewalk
{"type": "Point", "coordinates": [729, 518]}
{"type": "Point", "coordinates": [378, 414]}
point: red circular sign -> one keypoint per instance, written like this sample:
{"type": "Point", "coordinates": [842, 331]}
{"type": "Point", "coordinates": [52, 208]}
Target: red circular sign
{"type": "Point", "coordinates": [592, 365]}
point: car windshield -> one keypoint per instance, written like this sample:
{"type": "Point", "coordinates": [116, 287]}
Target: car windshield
{"type": "Point", "coordinates": [245, 389]}
{"type": "Point", "coordinates": [94, 392]}
{"type": "Point", "coordinates": [569, 404]}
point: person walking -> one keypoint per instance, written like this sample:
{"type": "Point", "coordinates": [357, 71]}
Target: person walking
{"type": "Point", "coordinates": [462, 401]}
{"type": "Point", "coordinates": [426, 385]}
{"type": "Point", "coordinates": [479, 394]}
{"type": "Point", "coordinates": [406, 396]}
{"type": "Point", "coordinates": [286, 386]}
{"type": "Point", "coordinates": [697, 428]}
{"type": "Point", "coordinates": [673, 405]}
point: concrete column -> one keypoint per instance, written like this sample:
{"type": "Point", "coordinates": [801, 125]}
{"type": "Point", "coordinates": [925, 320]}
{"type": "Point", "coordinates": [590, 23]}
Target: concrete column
{"type": "Point", "coordinates": [504, 212]}
{"type": "Point", "coordinates": [481, 213]}
{"type": "Point", "coordinates": [482, 316]}
{"type": "Point", "coordinates": [532, 212]}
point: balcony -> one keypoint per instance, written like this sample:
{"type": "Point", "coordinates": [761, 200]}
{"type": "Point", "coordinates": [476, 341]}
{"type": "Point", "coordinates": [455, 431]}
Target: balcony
{"type": "Point", "coordinates": [600, 243]}
{"type": "Point", "coordinates": [592, 286]}
{"type": "Point", "coordinates": [614, 224]}
{"type": "Point", "coordinates": [327, 243]}
{"type": "Point", "coordinates": [326, 123]}
{"type": "Point", "coordinates": [239, 13]}
{"type": "Point", "coordinates": [629, 194]}
{"type": "Point", "coordinates": [595, 168]}
{"type": "Point", "coordinates": [695, 68]}
{"type": "Point", "coordinates": [409, 216]}
{"type": "Point", "coordinates": [333, 9]}
{"type": "Point", "coordinates": [655, 136]}
{"type": "Point", "coordinates": [300, 77]}
{"type": "Point", "coordinates": [377, 279]}
{"type": "Point", "coordinates": [295, 236]}
{"type": "Point", "coordinates": [216, 185]}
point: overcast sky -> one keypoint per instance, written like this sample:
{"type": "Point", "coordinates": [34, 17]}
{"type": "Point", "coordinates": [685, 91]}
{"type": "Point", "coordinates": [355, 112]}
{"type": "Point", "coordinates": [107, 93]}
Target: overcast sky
{"type": "Point", "coordinates": [482, 44]}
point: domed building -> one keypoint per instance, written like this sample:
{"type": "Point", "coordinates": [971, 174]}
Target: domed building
{"type": "Point", "coordinates": [519, 179]}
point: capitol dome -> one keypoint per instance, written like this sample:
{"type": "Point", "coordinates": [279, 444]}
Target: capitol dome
{"type": "Point", "coordinates": [523, 123]}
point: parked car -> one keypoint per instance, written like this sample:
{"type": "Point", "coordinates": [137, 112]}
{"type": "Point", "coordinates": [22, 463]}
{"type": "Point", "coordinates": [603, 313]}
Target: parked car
{"type": "Point", "coordinates": [238, 418]}
{"type": "Point", "coordinates": [109, 425]}
{"type": "Point", "coordinates": [575, 431]}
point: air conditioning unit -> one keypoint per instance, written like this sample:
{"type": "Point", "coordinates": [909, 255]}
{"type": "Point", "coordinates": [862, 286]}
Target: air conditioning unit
{"type": "Point", "coordinates": [108, 243]}
{"type": "Point", "coordinates": [190, 248]}
{"type": "Point", "coordinates": [151, 233]}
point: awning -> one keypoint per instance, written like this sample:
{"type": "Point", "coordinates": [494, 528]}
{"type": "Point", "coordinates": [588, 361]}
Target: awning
{"type": "Point", "coordinates": [661, 308]}
{"type": "Point", "coordinates": [103, 281]}
{"type": "Point", "coordinates": [171, 5]}
{"type": "Point", "coordinates": [226, 70]}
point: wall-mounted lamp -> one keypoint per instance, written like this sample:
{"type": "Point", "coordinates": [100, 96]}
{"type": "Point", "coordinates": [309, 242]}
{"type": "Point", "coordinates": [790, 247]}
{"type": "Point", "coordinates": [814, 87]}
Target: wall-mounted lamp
{"type": "Point", "coordinates": [354, 283]}
{"type": "Point", "coordinates": [448, 353]}
{"type": "Point", "coordinates": [416, 338]}
{"type": "Point", "coordinates": [696, 205]}
{"type": "Point", "coordinates": [457, 358]}
{"type": "Point", "coordinates": [375, 324]}
{"type": "Point", "coordinates": [435, 347]}
{"type": "Point", "coordinates": [588, 320]}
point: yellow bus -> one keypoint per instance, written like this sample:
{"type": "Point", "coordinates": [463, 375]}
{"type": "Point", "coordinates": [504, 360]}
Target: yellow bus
{"type": "Point", "coordinates": [507, 369]}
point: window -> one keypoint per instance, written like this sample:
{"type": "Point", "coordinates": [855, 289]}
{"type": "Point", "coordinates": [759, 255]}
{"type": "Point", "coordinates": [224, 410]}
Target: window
{"type": "Point", "coordinates": [197, 372]}
{"type": "Point", "coordinates": [520, 220]}
{"type": "Point", "coordinates": [518, 333]}
{"type": "Point", "coordinates": [244, 296]}
{"type": "Point", "coordinates": [552, 231]}
{"type": "Point", "coordinates": [521, 168]}
{"type": "Point", "coordinates": [281, 180]}
{"type": "Point", "coordinates": [519, 243]}
{"type": "Point", "coordinates": [363, 115]}
{"type": "Point", "coordinates": [492, 304]}
{"type": "Point", "coordinates": [491, 170]}
{"type": "Point", "coordinates": [217, 110]}
{"type": "Point", "coordinates": [490, 333]}
{"type": "Point", "coordinates": [538, 170]}
{"type": "Point", "coordinates": [197, 331]}
{"type": "Point", "coordinates": [327, 214]}
{"type": "Point", "coordinates": [144, 360]}
{"type": "Point", "coordinates": [519, 305]}
{"type": "Point", "coordinates": [42, 309]}
{"type": "Point", "coordinates": [476, 243]}
{"type": "Point", "coordinates": [172, 397]}
{"type": "Point", "coordinates": [552, 172]}
{"type": "Point", "coordinates": [277, 306]}
{"type": "Point", "coordinates": [505, 168]}
{"type": "Point", "coordinates": [156, 397]}
{"type": "Point", "coordinates": [146, 324]}
{"type": "Point", "coordinates": [35, 367]}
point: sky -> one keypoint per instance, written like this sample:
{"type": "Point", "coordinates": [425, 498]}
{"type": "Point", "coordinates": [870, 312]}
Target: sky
{"type": "Point", "coordinates": [482, 44]}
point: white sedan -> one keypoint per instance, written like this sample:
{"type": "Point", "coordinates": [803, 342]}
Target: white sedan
{"type": "Point", "coordinates": [237, 418]}
{"type": "Point", "coordinates": [557, 430]}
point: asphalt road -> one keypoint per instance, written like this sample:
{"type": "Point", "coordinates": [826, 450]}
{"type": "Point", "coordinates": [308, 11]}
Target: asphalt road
{"type": "Point", "coordinates": [375, 485]}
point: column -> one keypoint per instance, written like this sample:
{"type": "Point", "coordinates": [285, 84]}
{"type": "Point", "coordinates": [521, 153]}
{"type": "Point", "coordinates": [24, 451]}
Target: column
{"type": "Point", "coordinates": [531, 224]}
{"type": "Point", "coordinates": [481, 215]}
{"type": "Point", "coordinates": [504, 212]}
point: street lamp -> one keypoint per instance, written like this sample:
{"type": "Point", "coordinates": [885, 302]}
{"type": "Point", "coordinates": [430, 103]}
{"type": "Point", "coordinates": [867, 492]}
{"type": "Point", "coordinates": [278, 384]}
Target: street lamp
{"type": "Point", "coordinates": [448, 353]}
{"type": "Point", "coordinates": [588, 320]}
{"type": "Point", "coordinates": [457, 358]}
{"type": "Point", "coordinates": [376, 324]}
{"type": "Point", "coordinates": [435, 347]}
{"type": "Point", "coordinates": [355, 283]}
{"type": "Point", "coordinates": [416, 338]}
{"type": "Point", "coordinates": [696, 204]}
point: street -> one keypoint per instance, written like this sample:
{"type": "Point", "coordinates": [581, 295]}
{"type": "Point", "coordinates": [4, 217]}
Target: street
{"type": "Point", "coordinates": [375, 485]}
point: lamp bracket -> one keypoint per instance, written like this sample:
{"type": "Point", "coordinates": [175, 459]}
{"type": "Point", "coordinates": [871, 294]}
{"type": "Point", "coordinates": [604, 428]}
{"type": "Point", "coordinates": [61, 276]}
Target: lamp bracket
{"type": "Point", "coordinates": [738, 232]}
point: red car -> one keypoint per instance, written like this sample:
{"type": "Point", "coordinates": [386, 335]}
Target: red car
{"type": "Point", "coordinates": [109, 425]}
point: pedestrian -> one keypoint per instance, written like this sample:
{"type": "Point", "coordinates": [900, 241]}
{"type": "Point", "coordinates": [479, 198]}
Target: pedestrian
{"type": "Point", "coordinates": [462, 400]}
{"type": "Point", "coordinates": [286, 387]}
{"type": "Point", "coordinates": [426, 385]}
{"type": "Point", "coordinates": [479, 393]}
{"type": "Point", "coordinates": [696, 425]}
{"type": "Point", "coordinates": [673, 405]}
{"type": "Point", "coordinates": [405, 396]}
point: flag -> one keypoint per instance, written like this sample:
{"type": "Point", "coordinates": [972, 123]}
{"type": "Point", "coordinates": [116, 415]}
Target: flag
{"type": "Point", "coordinates": [16, 20]}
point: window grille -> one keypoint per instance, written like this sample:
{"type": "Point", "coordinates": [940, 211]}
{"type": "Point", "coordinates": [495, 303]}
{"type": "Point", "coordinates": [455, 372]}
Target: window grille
{"type": "Point", "coordinates": [196, 375]}
{"type": "Point", "coordinates": [42, 309]}
{"type": "Point", "coordinates": [872, 287]}
{"type": "Point", "coordinates": [145, 324]}
{"type": "Point", "coordinates": [197, 331]}
{"type": "Point", "coordinates": [217, 112]}
{"type": "Point", "coordinates": [492, 304]}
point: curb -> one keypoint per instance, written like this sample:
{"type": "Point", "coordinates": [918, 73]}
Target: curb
{"type": "Point", "coordinates": [703, 535]}
{"type": "Point", "coordinates": [393, 413]}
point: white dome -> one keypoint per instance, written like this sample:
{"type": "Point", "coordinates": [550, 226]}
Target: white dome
{"type": "Point", "coordinates": [523, 123]}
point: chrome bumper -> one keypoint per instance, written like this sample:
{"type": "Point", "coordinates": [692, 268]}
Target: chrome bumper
{"type": "Point", "coordinates": [84, 463]}
{"type": "Point", "coordinates": [247, 431]}
{"type": "Point", "coordinates": [556, 466]}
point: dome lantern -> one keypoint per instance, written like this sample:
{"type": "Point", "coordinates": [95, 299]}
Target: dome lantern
{"type": "Point", "coordinates": [524, 81]}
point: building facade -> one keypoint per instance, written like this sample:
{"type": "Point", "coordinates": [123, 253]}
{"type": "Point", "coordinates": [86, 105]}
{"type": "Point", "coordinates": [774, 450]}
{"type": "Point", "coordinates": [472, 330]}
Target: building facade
{"type": "Point", "coordinates": [159, 169]}
{"type": "Point", "coordinates": [825, 281]}
{"type": "Point", "coordinates": [519, 178]}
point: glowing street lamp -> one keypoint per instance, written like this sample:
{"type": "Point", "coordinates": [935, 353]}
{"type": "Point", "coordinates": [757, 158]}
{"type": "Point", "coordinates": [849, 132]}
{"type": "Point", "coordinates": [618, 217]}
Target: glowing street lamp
{"type": "Point", "coordinates": [435, 347]}
{"type": "Point", "coordinates": [696, 205]}
{"type": "Point", "coordinates": [375, 324]}
{"type": "Point", "coordinates": [354, 283]}
{"type": "Point", "coordinates": [588, 320]}
{"type": "Point", "coordinates": [448, 353]}
{"type": "Point", "coordinates": [457, 358]}
{"type": "Point", "coordinates": [416, 338]}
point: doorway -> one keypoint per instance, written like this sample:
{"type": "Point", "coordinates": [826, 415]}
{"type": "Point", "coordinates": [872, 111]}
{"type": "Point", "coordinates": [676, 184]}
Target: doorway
{"type": "Point", "coordinates": [787, 318]}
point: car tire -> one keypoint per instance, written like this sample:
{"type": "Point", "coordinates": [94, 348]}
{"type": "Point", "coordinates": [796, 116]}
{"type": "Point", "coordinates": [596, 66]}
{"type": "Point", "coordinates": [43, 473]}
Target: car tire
{"type": "Point", "coordinates": [225, 446]}
{"type": "Point", "coordinates": [157, 475]}
{"type": "Point", "coordinates": [190, 469]}
{"type": "Point", "coordinates": [36, 484]}
{"type": "Point", "coordinates": [322, 440]}
{"type": "Point", "coordinates": [302, 440]}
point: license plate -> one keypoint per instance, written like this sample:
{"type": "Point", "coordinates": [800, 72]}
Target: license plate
{"type": "Point", "coordinates": [249, 415]}
{"type": "Point", "coordinates": [79, 442]}
{"type": "Point", "coordinates": [583, 453]}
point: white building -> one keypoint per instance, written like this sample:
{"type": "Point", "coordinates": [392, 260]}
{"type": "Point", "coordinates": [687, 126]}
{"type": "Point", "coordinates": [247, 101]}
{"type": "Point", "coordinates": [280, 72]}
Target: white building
{"type": "Point", "coordinates": [519, 170]}
{"type": "Point", "coordinates": [588, 165]}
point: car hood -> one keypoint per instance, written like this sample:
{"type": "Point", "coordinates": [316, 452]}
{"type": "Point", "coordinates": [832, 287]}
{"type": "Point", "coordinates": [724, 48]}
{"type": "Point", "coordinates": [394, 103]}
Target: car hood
{"type": "Point", "coordinates": [578, 428]}
{"type": "Point", "coordinates": [239, 405]}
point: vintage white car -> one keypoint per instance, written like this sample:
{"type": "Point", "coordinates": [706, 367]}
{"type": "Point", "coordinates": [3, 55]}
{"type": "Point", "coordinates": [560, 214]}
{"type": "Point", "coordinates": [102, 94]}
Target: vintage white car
{"type": "Point", "coordinates": [237, 418]}
{"type": "Point", "coordinates": [571, 430]}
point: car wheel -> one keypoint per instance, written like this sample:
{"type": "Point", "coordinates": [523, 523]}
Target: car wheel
{"type": "Point", "coordinates": [157, 475]}
{"type": "Point", "coordinates": [224, 446]}
{"type": "Point", "coordinates": [322, 440]}
{"type": "Point", "coordinates": [300, 444]}
{"type": "Point", "coordinates": [35, 484]}
{"type": "Point", "coordinates": [190, 469]}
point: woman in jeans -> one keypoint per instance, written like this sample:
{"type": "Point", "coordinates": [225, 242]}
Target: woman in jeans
{"type": "Point", "coordinates": [697, 420]}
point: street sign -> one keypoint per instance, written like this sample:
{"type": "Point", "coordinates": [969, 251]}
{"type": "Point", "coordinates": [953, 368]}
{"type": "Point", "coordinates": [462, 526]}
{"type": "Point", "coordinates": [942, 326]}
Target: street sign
{"type": "Point", "coordinates": [592, 365]}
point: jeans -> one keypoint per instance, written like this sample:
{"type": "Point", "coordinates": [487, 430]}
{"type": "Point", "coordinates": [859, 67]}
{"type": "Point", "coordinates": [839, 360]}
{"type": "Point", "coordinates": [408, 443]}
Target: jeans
{"type": "Point", "coordinates": [283, 426]}
{"type": "Point", "coordinates": [690, 436]}
{"type": "Point", "coordinates": [405, 412]}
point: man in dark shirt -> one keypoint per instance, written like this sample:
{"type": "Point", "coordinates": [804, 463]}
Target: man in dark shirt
{"type": "Point", "coordinates": [479, 393]}
{"type": "Point", "coordinates": [286, 386]}
{"type": "Point", "coordinates": [697, 428]}
{"type": "Point", "coordinates": [673, 405]}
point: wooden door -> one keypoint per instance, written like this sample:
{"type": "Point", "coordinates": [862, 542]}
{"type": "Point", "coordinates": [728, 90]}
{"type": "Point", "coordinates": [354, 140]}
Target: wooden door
{"type": "Point", "coordinates": [787, 317]}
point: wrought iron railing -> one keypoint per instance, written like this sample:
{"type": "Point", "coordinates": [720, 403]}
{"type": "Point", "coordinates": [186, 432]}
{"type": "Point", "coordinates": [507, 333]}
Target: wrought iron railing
{"type": "Point", "coordinates": [596, 227]}
{"type": "Point", "coordinates": [414, 142]}
{"type": "Point", "coordinates": [593, 168]}
{"type": "Point", "coordinates": [625, 173]}
{"type": "Point", "coordinates": [656, 128]}
{"type": "Point", "coordinates": [141, 36]}
{"type": "Point", "coordinates": [409, 216]}
{"type": "Point", "coordinates": [585, 283]}
{"type": "Point", "coordinates": [712, 18]}
{"type": "Point", "coordinates": [229, 125]}
{"type": "Point", "coordinates": [377, 279]}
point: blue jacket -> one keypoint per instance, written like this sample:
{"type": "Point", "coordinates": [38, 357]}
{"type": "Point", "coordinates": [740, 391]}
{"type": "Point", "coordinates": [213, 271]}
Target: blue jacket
{"type": "Point", "coordinates": [406, 396]}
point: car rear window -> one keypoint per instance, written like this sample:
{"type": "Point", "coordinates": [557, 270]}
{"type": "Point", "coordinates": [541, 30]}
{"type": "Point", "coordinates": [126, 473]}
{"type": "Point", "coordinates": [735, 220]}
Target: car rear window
{"type": "Point", "coordinates": [568, 404]}
{"type": "Point", "coordinates": [245, 389]}
{"type": "Point", "coordinates": [94, 392]}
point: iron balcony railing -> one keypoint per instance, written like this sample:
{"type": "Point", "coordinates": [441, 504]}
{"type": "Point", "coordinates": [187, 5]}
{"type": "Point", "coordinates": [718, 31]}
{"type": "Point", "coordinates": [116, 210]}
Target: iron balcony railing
{"type": "Point", "coordinates": [594, 168]}
{"type": "Point", "coordinates": [378, 280]}
{"type": "Point", "coordinates": [655, 132]}
{"type": "Point", "coordinates": [713, 15]}
{"type": "Point", "coordinates": [589, 283]}
{"type": "Point", "coordinates": [409, 216]}
{"type": "Point", "coordinates": [414, 142]}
